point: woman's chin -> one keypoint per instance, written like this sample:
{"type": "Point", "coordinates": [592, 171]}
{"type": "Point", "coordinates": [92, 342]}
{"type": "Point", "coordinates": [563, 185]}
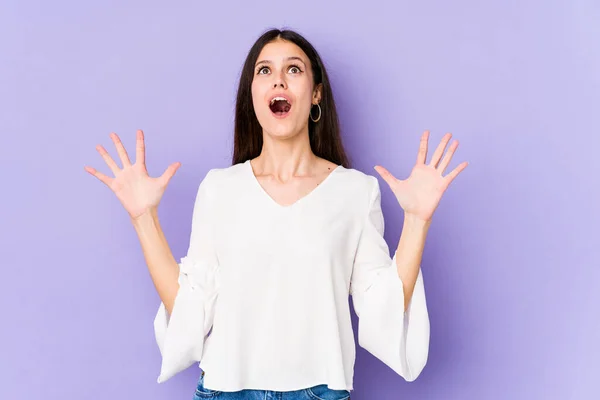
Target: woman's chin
{"type": "Point", "coordinates": [282, 129]}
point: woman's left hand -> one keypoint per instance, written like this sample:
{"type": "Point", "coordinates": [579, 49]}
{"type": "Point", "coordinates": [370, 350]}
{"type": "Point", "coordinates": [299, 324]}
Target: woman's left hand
{"type": "Point", "coordinates": [420, 194]}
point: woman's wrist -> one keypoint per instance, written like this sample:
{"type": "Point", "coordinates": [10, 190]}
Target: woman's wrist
{"type": "Point", "coordinates": [413, 223]}
{"type": "Point", "coordinates": [145, 219]}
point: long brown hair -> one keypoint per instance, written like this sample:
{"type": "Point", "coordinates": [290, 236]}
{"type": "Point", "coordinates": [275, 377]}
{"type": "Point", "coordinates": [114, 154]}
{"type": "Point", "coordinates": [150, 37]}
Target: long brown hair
{"type": "Point", "coordinates": [324, 135]}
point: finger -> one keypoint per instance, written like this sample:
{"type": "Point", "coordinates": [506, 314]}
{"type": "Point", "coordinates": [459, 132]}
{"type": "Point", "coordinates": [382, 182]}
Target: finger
{"type": "Point", "coordinates": [447, 157]}
{"type": "Point", "coordinates": [422, 155]}
{"type": "Point", "coordinates": [454, 173]}
{"type": "Point", "coordinates": [103, 178]}
{"type": "Point", "coordinates": [108, 159]}
{"type": "Point", "coordinates": [140, 149]}
{"type": "Point", "coordinates": [165, 178]}
{"type": "Point", "coordinates": [435, 159]}
{"type": "Point", "coordinates": [385, 174]}
{"type": "Point", "coordinates": [121, 150]}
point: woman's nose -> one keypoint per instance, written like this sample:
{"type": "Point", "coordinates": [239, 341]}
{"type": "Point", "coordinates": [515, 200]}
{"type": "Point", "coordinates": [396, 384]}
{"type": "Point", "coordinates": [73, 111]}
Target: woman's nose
{"type": "Point", "coordinates": [279, 81]}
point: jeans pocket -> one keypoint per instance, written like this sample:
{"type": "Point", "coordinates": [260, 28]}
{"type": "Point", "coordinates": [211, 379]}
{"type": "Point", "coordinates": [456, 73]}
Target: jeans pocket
{"type": "Point", "coordinates": [322, 392]}
{"type": "Point", "coordinates": [204, 393]}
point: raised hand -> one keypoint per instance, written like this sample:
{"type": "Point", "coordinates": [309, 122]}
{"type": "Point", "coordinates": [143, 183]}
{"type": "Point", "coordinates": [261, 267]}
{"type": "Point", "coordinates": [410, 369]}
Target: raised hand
{"type": "Point", "coordinates": [420, 194]}
{"type": "Point", "coordinates": [137, 192]}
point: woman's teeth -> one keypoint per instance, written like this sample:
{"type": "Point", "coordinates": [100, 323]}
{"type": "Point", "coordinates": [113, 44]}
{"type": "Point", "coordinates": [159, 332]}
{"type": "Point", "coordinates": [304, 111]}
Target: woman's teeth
{"type": "Point", "coordinates": [278, 98]}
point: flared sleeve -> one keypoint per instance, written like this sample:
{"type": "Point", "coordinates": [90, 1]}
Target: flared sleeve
{"type": "Point", "coordinates": [399, 339]}
{"type": "Point", "coordinates": [181, 335]}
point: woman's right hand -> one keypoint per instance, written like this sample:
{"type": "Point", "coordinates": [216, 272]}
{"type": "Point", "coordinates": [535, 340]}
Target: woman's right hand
{"type": "Point", "coordinates": [137, 192]}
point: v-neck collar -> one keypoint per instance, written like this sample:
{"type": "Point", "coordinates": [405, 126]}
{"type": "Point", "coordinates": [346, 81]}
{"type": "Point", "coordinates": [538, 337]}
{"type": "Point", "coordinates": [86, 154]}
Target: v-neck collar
{"type": "Point", "coordinates": [304, 198]}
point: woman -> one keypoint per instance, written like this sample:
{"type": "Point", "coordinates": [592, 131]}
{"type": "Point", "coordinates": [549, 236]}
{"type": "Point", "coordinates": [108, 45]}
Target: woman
{"type": "Point", "coordinates": [280, 239]}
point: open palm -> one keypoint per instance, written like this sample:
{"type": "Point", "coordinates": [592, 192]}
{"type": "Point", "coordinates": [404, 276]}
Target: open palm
{"type": "Point", "coordinates": [137, 192]}
{"type": "Point", "coordinates": [420, 194]}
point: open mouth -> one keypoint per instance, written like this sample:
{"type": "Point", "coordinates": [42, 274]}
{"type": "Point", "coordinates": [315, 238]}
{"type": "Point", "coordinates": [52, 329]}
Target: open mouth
{"type": "Point", "coordinates": [280, 106]}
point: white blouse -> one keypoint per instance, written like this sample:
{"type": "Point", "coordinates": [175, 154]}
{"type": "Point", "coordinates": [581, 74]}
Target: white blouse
{"type": "Point", "coordinates": [273, 283]}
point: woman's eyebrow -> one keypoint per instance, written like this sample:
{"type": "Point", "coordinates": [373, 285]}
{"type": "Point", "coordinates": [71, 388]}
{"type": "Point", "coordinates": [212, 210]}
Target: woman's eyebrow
{"type": "Point", "coordinates": [287, 59]}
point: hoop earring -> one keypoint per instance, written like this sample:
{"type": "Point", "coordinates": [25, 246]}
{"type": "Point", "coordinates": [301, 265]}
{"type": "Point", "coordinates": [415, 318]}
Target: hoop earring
{"type": "Point", "coordinates": [311, 117]}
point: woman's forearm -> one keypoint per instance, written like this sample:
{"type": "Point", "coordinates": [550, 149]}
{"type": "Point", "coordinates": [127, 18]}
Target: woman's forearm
{"type": "Point", "coordinates": [163, 267]}
{"type": "Point", "coordinates": [409, 254]}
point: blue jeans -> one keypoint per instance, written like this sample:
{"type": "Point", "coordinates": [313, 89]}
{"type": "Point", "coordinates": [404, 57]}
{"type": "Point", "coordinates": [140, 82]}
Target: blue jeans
{"type": "Point", "coordinates": [319, 392]}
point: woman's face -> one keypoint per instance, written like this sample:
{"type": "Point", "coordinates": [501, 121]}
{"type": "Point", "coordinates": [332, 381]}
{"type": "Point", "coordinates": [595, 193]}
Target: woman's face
{"type": "Point", "coordinates": [282, 89]}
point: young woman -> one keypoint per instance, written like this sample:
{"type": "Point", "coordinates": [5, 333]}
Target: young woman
{"type": "Point", "coordinates": [280, 239]}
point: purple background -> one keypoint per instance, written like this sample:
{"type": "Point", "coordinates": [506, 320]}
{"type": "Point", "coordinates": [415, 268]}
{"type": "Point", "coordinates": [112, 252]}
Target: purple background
{"type": "Point", "coordinates": [512, 261]}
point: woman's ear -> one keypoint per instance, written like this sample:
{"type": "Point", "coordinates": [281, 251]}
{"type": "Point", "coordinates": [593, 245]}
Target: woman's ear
{"type": "Point", "coordinates": [317, 93]}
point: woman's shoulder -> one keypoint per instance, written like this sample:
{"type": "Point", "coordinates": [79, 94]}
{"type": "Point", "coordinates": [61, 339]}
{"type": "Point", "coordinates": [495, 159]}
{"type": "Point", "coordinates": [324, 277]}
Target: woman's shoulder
{"type": "Point", "coordinates": [354, 188]}
{"type": "Point", "coordinates": [218, 176]}
{"type": "Point", "coordinates": [216, 179]}
{"type": "Point", "coordinates": [357, 180]}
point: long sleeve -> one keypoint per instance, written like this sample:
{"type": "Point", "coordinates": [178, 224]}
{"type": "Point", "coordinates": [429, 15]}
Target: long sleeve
{"type": "Point", "coordinates": [399, 339]}
{"type": "Point", "coordinates": [180, 336]}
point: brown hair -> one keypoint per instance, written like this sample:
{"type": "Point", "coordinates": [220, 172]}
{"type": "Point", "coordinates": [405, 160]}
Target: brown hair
{"type": "Point", "coordinates": [324, 135]}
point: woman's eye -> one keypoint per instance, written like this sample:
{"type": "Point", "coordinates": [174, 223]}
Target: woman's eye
{"type": "Point", "coordinates": [293, 69]}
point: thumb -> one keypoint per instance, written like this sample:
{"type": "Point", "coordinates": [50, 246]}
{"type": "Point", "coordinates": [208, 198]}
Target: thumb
{"type": "Point", "coordinates": [165, 178]}
{"type": "Point", "coordinates": [385, 174]}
